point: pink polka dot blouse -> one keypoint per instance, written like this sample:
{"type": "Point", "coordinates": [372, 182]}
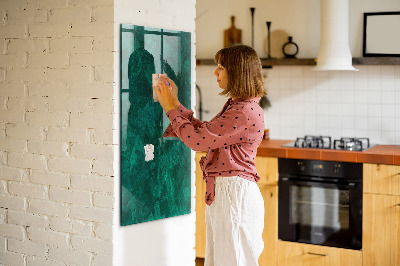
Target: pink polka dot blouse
{"type": "Point", "coordinates": [231, 139]}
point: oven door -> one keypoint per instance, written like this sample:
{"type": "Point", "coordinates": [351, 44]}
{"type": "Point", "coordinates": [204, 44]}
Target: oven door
{"type": "Point", "coordinates": [321, 212]}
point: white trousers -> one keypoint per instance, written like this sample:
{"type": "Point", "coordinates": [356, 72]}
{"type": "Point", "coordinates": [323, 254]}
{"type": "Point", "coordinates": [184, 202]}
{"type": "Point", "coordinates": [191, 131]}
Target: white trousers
{"type": "Point", "coordinates": [234, 223]}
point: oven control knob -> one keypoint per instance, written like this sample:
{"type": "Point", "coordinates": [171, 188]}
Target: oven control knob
{"type": "Point", "coordinates": [336, 169]}
{"type": "Point", "coordinates": [302, 167]}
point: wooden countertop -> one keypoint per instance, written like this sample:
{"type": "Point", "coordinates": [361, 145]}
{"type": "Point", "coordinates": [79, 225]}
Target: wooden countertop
{"type": "Point", "coordinates": [379, 154]}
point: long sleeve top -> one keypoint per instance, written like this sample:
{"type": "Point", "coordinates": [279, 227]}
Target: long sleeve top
{"type": "Point", "coordinates": [231, 139]}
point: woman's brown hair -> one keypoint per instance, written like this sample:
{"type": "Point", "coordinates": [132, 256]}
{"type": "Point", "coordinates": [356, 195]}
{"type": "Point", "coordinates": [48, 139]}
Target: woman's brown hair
{"type": "Point", "coordinates": [245, 78]}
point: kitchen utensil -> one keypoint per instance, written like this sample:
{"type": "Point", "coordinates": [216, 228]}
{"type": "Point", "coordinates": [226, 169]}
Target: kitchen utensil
{"type": "Point", "coordinates": [252, 9]}
{"type": "Point", "coordinates": [269, 38]}
{"type": "Point", "coordinates": [232, 35]}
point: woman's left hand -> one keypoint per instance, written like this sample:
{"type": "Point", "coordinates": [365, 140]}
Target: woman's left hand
{"type": "Point", "coordinates": [164, 94]}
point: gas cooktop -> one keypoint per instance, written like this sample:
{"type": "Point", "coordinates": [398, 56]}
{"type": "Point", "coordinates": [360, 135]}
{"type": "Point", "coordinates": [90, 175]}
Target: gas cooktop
{"type": "Point", "coordinates": [325, 142]}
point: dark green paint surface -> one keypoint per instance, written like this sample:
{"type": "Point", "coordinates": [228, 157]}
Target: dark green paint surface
{"type": "Point", "coordinates": [161, 187]}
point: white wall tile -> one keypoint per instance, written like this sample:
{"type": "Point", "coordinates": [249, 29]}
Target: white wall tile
{"type": "Point", "coordinates": [389, 136]}
{"type": "Point", "coordinates": [374, 123]}
{"type": "Point", "coordinates": [388, 84]}
{"type": "Point", "coordinates": [374, 110]}
{"type": "Point", "coordinates": [322, 95]}
{"type": "Point", "coordinates": [361, 110]}
{"type": "Point", "coordinates": [375, 136]}
{"type": "Point", "coordinates": [322, 121]}
{"type": "Point", "coordinates": [347, 109]}
{"type": "Point", "coordinates": [348, 133]}
{"type": "Point", "coordinates": [374, 97]}
{"type": "Point", "coordinates": [388, 110]}
{"type": "Point", "coordinates": [388, 124]}
{"type": "Point", "coordinates": [335, 95]}
{"type": "Point", "coordinates": [374, 83]}
{"type": "Point", "coordinates": [360, 97]}
{"type": "Point", "coordinates": [347, 122]}
{"type": "Point", "coordinates": [361, 123]}
{"type": "Point", "coordinates": [310, 109]}
{"type": "Point", "coordinates": [322, 109]}
{"type": "Point", "coordinates": [397, 122]}
{"type": "Point", "coordinates": [388, 97]}
{"type": "Point", "coordinates": [338, 104]}
{"type": "Point", "coordinates": [348, 95]}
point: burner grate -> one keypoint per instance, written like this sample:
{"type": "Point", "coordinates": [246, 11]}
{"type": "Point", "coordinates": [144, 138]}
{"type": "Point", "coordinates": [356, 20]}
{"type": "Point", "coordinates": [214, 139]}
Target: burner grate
{"type": "Point", "coordinates": [320, 142]}
{"type": "Point", "coordinates": [351, 144]}
{"type": "Point", "coordinates": [324, 142]}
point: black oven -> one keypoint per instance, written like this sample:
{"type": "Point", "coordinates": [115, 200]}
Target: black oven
{"type": "Point", "coordinates": [320, 202]}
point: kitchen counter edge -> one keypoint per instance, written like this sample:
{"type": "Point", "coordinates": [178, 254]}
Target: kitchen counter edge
{"type": "Point", "coordinates": [379, 154]}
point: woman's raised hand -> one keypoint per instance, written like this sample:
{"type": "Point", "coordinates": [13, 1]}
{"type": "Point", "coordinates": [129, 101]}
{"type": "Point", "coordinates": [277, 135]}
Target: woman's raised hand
{"type": "Point", "coordinates": [163, 91]}
{"type": "Point", "coordinates": [174, 91]}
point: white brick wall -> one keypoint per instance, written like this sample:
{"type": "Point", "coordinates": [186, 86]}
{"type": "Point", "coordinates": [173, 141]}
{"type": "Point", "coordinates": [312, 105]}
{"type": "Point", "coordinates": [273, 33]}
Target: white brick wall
{"type": "Point", "coordinates": [56, 126]}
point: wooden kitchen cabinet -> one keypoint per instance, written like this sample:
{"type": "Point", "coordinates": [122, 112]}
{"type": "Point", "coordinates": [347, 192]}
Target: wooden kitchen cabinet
{"type": "Point", "coordinates": [381, 215]}
{"type": "Point", "coordinates": [267, 167]}
{"type": "Point", "coordinates": [200, 209]}
{"type": "Point", "coordinates": [298, 254]}
{"type": "Point", "coordinates": [270, 233]}
{"type": "Point", "coordinates": [381, 179]}
{"type": "Point", "coordinates": [381, 230]}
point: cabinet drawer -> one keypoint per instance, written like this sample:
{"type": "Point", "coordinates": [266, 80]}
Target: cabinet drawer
{"type": "Point", "coordinates": [294, 254]}
{"type": "Point", "coordinates": [381, 179]}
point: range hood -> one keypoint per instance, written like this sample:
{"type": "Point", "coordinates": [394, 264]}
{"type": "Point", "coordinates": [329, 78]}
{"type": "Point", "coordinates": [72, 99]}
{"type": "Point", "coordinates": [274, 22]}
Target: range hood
{"type": "Point", "coordinates": [334, 51]}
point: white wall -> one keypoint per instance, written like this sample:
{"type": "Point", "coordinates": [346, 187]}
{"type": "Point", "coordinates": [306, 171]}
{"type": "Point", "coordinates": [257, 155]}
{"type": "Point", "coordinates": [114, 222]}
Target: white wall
{"type": "Point", "coordinates": [337, 104]}
{"type": "Point", "coordinates": [299, 18]}
{"type": "Point", "coordinates": [56, 119]}
{"type": "Point", "coordinates": [168, 241]}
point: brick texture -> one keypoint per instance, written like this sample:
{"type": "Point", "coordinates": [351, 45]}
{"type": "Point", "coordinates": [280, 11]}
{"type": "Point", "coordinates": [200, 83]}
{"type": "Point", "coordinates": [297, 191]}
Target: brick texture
{"type": "Point", "coordinates": [56, 119]}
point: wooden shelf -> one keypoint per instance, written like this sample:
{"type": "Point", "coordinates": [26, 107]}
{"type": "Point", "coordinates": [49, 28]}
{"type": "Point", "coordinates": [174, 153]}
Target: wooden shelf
{"type": "Point", "coordinates": [312, 61]}
{"type": "Point", "coordinates": [376, 61]}
{"type": "Point", "coordinates": [288, 62]}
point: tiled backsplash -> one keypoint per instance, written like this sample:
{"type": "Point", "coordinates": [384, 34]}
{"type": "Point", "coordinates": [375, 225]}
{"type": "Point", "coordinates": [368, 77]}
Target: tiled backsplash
{"type": "Point", "coordinates": [332, 103]}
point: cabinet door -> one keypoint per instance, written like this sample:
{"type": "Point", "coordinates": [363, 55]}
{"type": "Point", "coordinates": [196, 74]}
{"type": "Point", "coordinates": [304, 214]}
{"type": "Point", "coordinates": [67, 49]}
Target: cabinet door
{"type": "Point", "coordinates": [297, 254]}
{"type": "Point", "coordinates": [270, 233]}
{"type": "Point", "coordinates": [381, 179]}
{"type": "Point", "coordinates": [200, 209]}
{"type": "Point", "coordinates": [267, 168]}
{"type": "Point", "coordinates": [381, 230]}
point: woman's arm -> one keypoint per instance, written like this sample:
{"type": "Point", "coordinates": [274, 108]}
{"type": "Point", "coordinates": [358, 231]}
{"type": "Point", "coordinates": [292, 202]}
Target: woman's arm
{"type": "Point", "coordinates": [228, 129]}
{"type": "Point", "coordinates": [188, 114]}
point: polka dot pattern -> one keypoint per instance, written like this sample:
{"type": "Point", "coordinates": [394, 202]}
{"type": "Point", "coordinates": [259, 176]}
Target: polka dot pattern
{"type": "Point", "coordinates": [231, 139]}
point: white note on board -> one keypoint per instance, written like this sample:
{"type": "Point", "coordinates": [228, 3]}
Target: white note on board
{"type": "Point", "coordinates": [149, 152]}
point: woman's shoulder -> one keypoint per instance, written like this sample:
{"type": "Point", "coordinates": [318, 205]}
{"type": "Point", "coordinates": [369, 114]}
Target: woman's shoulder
{"type": "Point", "coordinates": [249, 104]}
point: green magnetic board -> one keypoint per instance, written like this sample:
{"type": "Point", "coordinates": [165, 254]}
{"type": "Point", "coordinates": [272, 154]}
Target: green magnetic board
{"type": "Point", "coordinates": [155, 171]}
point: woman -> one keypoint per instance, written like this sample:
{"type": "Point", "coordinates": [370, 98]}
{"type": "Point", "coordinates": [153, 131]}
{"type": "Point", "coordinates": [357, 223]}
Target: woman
{"type": "Point", "coordinates": [235, 207]}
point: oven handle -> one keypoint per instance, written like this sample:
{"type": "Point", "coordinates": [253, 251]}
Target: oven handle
{"type": "Point", "coordinates": [297, 181]}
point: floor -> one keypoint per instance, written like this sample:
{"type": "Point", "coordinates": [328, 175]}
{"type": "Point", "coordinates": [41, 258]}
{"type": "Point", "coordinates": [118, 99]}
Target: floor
{"type": "Point", "coordinates": [199, 262]}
